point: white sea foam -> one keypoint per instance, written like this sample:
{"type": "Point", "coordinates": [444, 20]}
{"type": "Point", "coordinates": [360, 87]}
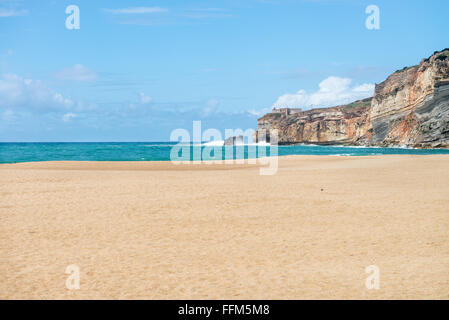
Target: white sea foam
{"type": "Point", "coordinates": [260, 143]}
{"type": "Point", "coordinates": [215, 143]}
{"type": "Point", "coordinates": [158, 145]}
{"type": "Point", "coordinates": [354, 147]}
{"type": "Point", "coordinates": [219, 143]}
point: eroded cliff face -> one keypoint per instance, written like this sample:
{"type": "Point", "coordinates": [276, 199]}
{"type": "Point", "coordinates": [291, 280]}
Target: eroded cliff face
{"type": "Point", "coordinates": [410, 108]}
{"type": "Point", "coordinates": [338, 125]}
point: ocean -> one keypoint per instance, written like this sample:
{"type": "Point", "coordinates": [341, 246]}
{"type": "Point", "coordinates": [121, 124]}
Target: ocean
{"type": "Point", "coordinates": [160, 151]}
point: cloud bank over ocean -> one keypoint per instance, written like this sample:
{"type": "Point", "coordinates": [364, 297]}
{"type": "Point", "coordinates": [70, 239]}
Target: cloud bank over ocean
{"type": "Point", "coordinates": [24, 100]}
{"type": "Point", "coordinates": [332, 91]}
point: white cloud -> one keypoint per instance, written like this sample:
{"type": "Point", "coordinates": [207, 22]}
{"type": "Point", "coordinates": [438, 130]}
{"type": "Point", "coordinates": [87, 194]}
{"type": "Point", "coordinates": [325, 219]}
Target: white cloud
{"type": "Point", "coordinates": [212, 103]}
{"type": "Point", "coordinates": [332, 91]}
{"type": "Point", "coordinates": [11, 13]}
{"type": "Point", "coordinates": [367, 87]}
{"type": "Point", "coordinates": [144, 98]}
{"type": "Point", "coordinates": [211, 107]}
{"type": "Point", "coordinates": [136, 10]}
{"type": "Point", "coordinates": [57, 97]}
{"type": "Point", "coordinates": [202, 13]}
{"type": "Point", "coordinates": [17, 92]}
{"type": "Point", "coordinates": [76, 73]}
{"type": "Point", "coordinates": [258, 113]}
{"type": "Point", "coordinates": [68, 117]}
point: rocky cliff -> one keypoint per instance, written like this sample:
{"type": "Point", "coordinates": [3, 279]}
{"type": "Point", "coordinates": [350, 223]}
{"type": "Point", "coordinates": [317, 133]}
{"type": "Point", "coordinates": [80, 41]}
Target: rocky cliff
{"type": "Point", "coordinates": [338, 125]}
{"type": "Point", "coordinates": [410, 108]}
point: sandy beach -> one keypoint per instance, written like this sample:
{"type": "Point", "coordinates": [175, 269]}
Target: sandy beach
{"type": "Point", "coordinates": [153, 230]}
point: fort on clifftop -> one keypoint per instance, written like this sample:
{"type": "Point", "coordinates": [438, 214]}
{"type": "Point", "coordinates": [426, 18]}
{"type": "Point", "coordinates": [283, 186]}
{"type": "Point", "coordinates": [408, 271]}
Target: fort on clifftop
{"type": "Point", "coordinates": [410, 108]}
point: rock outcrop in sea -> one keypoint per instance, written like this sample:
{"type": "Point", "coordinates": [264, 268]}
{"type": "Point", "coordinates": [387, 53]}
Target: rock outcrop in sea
{"type": "Point", "coordinates": [410, 108]}
{"type": "Point", "coordinates": [235, 140]}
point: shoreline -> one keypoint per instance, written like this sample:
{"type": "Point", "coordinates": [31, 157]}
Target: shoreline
{"type": "Point", "coordinates": [209, 163]}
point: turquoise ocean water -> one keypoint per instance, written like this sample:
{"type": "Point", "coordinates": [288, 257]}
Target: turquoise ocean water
{"type": "Point", "coordinates": [160, 151]}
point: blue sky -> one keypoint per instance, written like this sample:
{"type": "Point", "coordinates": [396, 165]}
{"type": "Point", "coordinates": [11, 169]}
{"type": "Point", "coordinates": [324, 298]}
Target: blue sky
{"type": "Point", "coordinates": [136, 70]}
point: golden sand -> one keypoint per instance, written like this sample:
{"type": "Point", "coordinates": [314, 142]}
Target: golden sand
{"type": "Point", "coordinates": [158, 231]}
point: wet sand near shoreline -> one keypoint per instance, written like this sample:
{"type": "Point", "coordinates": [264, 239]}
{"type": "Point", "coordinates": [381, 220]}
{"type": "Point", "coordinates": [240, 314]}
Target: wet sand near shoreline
{"type": "Point", "coordinates": [153, 230]}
